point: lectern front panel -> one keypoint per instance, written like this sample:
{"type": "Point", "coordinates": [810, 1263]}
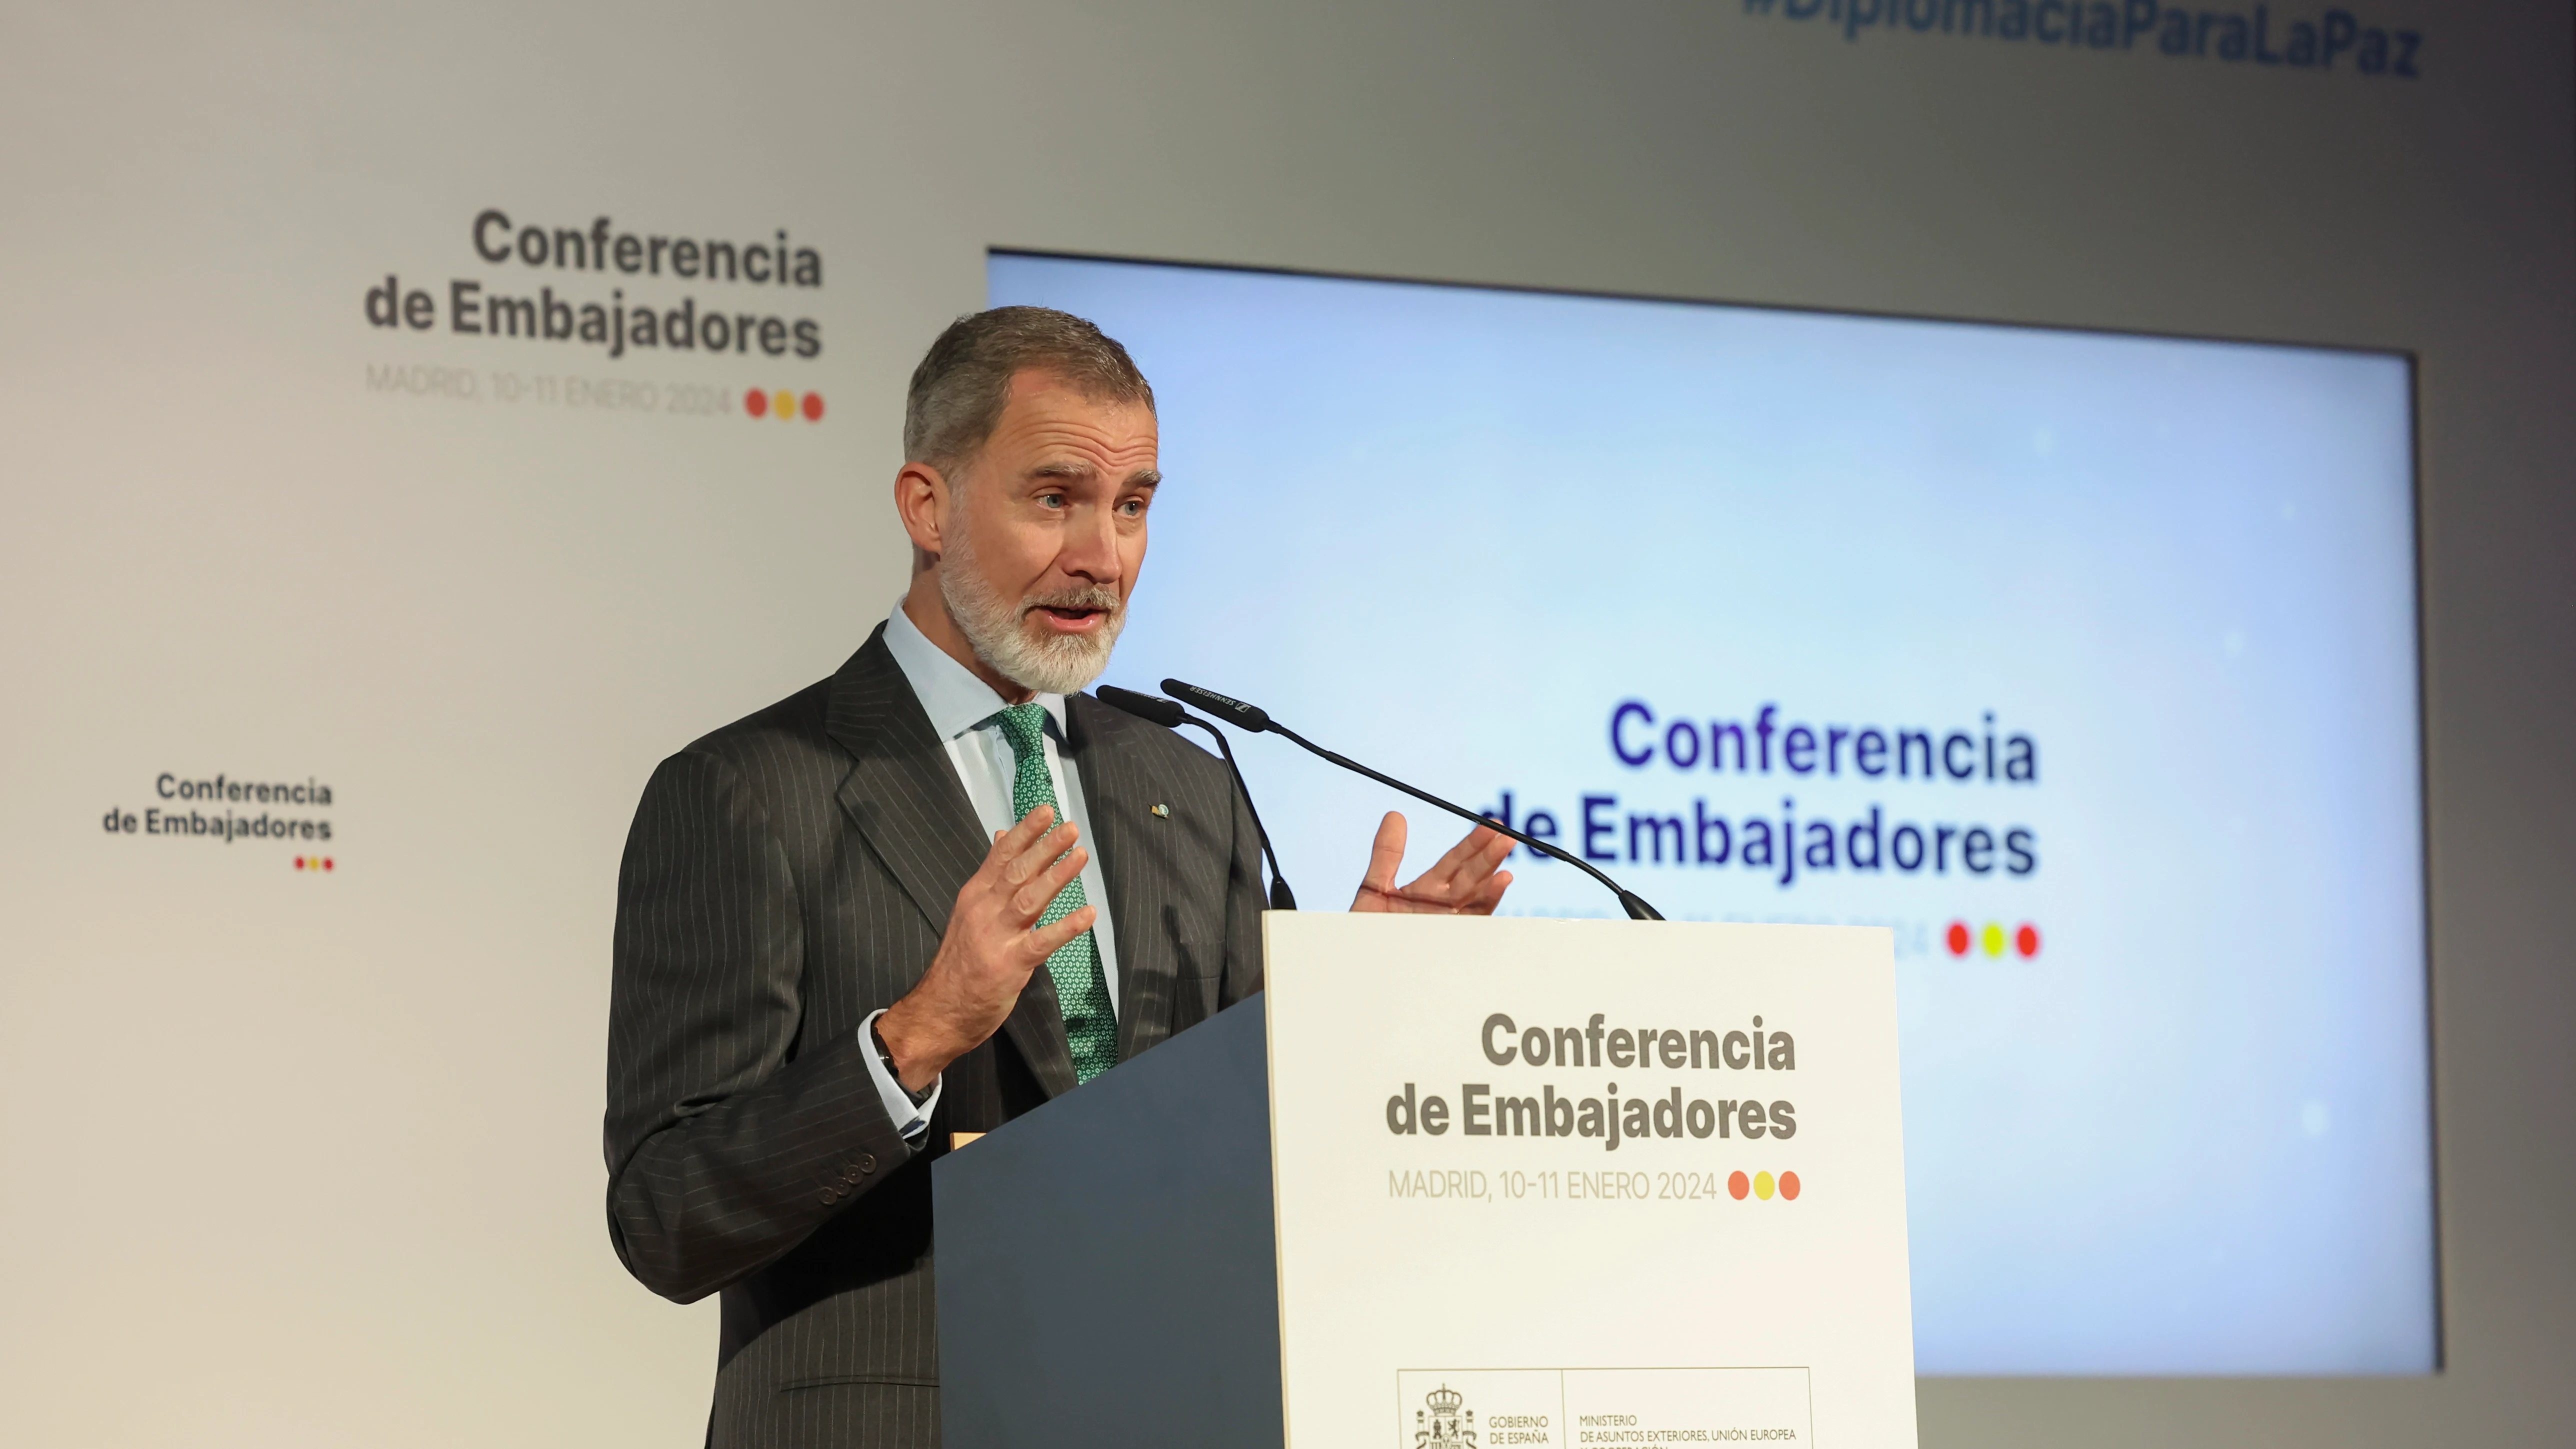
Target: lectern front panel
{"type": "Point", "coordinates": [1108, 1273]}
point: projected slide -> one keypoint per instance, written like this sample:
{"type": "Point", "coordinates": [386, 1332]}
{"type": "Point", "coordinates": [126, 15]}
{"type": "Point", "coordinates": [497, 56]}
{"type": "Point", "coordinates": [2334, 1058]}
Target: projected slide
{"type": "Point", "coordinates": [2086, 663]}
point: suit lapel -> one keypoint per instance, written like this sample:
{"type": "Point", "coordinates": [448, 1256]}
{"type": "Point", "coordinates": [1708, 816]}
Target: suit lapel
{"type": "Point", "coordinates": [1119, 803]}
{"type": "Point", "coordinates": [904, 797]}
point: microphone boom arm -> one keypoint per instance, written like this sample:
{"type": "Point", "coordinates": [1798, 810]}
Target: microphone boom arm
{"type": "Point", "coordinates": [1170, 715]}
{"type": "Point", "coordinates": [1255, 719]}
{"type": "Point", "coordinates": [1281, 898]}
{"type": "Point", "coordinates": [1633, 904]}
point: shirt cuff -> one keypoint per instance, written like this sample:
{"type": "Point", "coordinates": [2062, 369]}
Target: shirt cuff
{"type": "Point", "coordinates": [910, 1121]}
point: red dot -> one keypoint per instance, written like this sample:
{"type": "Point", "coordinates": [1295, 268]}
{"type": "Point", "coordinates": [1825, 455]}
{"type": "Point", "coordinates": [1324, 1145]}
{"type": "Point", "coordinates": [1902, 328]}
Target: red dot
{"type": "Point", "coordinates": [299, 862]}
{"type": "Point", "coordinates": [1958, 938]}
{"type": "Point", "coordinates": [2026, 940]}
{"type": "Point", "coordinates": [326, 862]}
{"type": "Point", "coordinates": [1737, 1185]}
{"type": "Point", "coordinates": [756, 402]}
{"type": "Point", "coordinates": [1789, 1186]}
{"type": "Point", "coordinates": [813, 407]}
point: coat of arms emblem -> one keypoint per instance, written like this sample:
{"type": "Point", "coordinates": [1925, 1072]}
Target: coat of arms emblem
{"type": "Point", "coordinates": [1444, 1418]}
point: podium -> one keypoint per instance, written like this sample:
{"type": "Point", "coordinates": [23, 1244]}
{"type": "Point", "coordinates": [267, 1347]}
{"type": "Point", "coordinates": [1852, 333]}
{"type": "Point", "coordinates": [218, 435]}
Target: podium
{"type": "Point", "coordinates": [1457, 1181]}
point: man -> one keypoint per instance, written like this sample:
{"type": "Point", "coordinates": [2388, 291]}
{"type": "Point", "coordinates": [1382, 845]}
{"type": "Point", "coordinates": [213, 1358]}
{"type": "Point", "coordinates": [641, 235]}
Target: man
{"type": "Point", "coordinates": [922, 897]}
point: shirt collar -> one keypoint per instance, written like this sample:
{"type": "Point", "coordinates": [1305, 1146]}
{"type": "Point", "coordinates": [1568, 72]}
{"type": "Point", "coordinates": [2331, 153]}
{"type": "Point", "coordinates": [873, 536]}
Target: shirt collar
{"type": "Point", "coordinates": [950, 694]}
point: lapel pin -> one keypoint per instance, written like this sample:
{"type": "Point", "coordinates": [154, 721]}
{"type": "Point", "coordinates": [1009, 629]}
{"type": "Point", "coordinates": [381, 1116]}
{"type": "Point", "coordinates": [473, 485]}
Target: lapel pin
{"type": "Point", "coordinates": [1163, 812]}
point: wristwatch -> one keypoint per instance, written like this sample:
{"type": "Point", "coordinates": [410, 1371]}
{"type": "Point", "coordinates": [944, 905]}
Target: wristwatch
{"type": "Point", "coordinates": [877, 1039]}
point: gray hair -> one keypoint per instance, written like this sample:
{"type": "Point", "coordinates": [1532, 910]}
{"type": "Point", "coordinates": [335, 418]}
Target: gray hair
{"type": "Point", "coordinates": [959, 389]}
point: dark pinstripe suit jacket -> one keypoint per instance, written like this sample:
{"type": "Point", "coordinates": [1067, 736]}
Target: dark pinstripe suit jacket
{"type": "Point", "coordinates": [787, 875]}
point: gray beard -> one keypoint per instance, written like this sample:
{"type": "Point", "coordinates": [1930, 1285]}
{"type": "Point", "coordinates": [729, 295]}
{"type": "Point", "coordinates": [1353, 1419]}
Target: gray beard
{"type": "Point", "coordinates": [996, 627]}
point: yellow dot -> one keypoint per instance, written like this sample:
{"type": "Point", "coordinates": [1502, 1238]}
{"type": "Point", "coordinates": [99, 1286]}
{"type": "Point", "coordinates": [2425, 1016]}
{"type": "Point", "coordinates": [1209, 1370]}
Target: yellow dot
{"type": "Point", "coordinates": [1993, 939]}
{"type": "Point", "coordinates": [785, 404]}
{"type": "Point", "coordinates": [1762, 1186]}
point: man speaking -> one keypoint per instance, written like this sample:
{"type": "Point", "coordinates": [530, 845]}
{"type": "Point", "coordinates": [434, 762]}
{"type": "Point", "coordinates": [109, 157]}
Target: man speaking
{"type": "Point", "coordinates": [922, 897]}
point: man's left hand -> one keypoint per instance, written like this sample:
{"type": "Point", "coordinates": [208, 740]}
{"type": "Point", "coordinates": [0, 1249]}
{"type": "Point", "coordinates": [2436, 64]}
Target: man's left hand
{"type": "Point", "coordinates": [1468, 881]}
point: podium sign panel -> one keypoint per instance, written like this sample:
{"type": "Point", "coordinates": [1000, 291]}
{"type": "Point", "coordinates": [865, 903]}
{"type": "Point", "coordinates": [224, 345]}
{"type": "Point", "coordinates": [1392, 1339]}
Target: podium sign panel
{"type": "Point", "coordinates": [1585, 1183]}
{"type": "Point", "coordinates": [1518, 1184]}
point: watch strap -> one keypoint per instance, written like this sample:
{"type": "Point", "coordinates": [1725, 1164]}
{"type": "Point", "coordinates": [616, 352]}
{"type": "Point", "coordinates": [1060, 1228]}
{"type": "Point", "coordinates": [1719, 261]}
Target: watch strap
{"type": "Point", "coordinates": [877, 1040]}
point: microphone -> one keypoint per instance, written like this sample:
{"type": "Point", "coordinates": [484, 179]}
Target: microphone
{"type": "Point", "coordinates": [1257, 720]}
{"type": "Point", "coordinates": [1171, 716]}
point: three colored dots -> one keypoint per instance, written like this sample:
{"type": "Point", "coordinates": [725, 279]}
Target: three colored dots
{"type": "Point", "coordinates": [783, 405]}
{"type": "Point", "coordinates": [313, 862]}
{"type": "Point", "coordinates": [1763, 1185]}
{"type": "Point", "coordinates": [1990, 938]}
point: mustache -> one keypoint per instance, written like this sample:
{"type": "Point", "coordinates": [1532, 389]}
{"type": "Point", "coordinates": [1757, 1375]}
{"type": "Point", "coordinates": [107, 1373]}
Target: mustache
{"type": "Point", "coordinates": [1093, 596]}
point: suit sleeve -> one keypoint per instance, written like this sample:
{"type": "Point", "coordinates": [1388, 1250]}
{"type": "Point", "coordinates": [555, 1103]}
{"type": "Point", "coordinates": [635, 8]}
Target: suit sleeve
{"type": "Point", "coordinates": [728, 1141]}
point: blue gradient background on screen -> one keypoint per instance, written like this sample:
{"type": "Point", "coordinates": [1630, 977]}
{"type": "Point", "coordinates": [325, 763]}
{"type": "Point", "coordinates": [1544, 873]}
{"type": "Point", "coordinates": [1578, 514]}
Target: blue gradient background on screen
{"type": "Point", "coordinates": [1448, 530]}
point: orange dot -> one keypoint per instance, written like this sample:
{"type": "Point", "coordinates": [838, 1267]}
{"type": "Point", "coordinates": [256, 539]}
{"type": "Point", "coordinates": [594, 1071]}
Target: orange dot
{"type": "Point", "coordinates": [1762, 1186]}
{"type": "Point", "coordinates": [1789, 1186]}
{"type": "Point", "coordinates": [813, 407]}
{"type": "Point", "coordinates": [1737, 1186]}
{"type": "Point", "coordinates": [2026, 940]}
{"type": "Point", "coordinates": [786, 405]}
{"type": "Point", "coordinates": [1958, 938]}
{"type": "Point", "coordinates": [755, 402]}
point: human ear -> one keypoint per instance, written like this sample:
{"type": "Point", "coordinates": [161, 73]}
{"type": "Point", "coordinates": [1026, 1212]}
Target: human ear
{"type": "Point", "coordinates": [921, 496]}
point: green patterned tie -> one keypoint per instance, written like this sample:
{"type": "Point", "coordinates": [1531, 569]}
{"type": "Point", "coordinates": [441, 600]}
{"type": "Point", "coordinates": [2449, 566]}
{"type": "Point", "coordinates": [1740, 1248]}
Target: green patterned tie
{"type": "Point", "coordinates": [1081, 992]}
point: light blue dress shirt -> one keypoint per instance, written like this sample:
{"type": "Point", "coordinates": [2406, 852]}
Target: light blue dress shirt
{"type": "Point", "coordinates": [961, 709]}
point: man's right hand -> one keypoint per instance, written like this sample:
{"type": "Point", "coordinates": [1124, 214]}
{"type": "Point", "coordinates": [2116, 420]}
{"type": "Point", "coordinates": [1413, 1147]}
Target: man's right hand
{"type": "Point", "coordinates": [986, 957]}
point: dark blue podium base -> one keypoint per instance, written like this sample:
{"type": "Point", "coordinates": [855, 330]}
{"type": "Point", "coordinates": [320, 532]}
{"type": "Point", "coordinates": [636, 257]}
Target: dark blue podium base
{"type": "Point", "coordinates": [1108, 1264]}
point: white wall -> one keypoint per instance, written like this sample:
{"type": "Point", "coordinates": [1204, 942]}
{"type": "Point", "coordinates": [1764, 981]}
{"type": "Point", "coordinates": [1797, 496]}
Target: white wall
{"type": "Point", "coordinates": [304, 1159]}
